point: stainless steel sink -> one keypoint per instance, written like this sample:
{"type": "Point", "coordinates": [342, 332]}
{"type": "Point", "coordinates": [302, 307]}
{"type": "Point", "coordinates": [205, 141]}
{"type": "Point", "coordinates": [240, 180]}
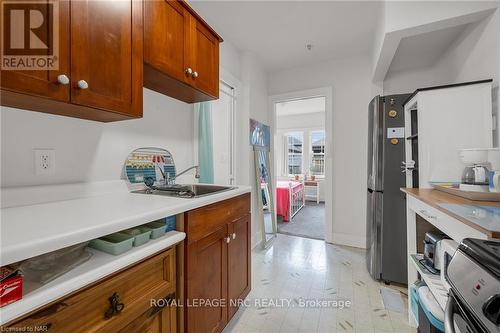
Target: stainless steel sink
{"type": "Point", "coordinates": [186, 191]}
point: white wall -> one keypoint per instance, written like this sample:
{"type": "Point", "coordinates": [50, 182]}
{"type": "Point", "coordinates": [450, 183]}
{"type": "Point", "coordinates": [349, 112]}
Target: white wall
{"type": "Point", "coordinates": [401, 15]}
{"type": "Point", "coordinates": [352, 91]}
{"type": "Point", "coordinates": [310, 120]}
{"type": "Point", "coordinates": [91, 151]}
{"type": "Point", "coordinates": [254, 97]}
{"type": "Point", "coordinates": [475, 55]}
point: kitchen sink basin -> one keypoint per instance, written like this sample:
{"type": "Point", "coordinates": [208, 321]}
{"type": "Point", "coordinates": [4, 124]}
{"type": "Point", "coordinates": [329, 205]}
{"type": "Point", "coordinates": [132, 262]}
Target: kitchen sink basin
{"type": "Point", "coordinates": [186, 191]}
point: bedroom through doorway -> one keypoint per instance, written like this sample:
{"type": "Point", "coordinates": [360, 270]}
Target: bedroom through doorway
{"type": "Point", "coordinates": [299, 159]}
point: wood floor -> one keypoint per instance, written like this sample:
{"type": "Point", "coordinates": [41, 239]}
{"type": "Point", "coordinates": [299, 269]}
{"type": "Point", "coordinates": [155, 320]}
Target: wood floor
{"type": "Point", "coordinates": [298, 269]}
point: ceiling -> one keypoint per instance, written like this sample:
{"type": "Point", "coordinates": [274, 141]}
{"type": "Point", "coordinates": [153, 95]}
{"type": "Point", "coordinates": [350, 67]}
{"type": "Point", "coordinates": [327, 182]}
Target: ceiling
{"type": "Point", "coordinates": [424, 50]}
{"type": "Point", "coordinates": [277, 31]}
{"type": "Point", "coordinates": [300, 106]}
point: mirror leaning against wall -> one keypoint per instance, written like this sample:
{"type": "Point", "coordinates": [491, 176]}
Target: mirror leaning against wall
{"type": "Point", "coordinates": [260, 140]}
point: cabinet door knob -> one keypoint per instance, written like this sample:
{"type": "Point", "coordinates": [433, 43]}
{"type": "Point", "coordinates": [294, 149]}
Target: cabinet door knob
{"type": "Point", "coordinates": [234, 235]}
{"type": "Point", "coordinates": [189, 71]}
{"type": "Point", "coordinates": [227, 239]}
{"type": "Point", "coordinates": [194, 75]}
{"type": "Point", "coordinates": [82, 84]}
{"type": "Point", "coordinates": [63, 79]}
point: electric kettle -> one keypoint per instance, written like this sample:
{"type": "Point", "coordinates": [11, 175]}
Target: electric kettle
{"type": "Point", "coordinates": [475, 175]}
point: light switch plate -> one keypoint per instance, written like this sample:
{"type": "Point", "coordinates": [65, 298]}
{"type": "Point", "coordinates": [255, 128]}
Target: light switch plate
{"type": "Point", "coordinates": [45, 161]}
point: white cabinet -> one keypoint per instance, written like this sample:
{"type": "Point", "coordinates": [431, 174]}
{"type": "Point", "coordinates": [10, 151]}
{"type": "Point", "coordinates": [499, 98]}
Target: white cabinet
{"type": "Point", "coordinates": [441, 121]}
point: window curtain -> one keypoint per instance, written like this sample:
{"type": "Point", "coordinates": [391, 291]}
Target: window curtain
{"type": "Point", "coordinates": [205, 142]}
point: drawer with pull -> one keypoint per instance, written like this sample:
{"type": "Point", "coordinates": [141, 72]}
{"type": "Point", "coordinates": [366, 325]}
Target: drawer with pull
{"type": "Point", "coordinates": [451, 226]}
{"type": "Point", "coordinates": [203, 221]}
{"type": "Point", "coordinates": [110, 304]}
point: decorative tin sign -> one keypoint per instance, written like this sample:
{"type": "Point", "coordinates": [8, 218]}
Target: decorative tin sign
{"type": "Point", "coordinates": [149, 165]}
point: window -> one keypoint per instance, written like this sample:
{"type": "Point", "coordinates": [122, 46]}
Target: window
{"type": "Point", "coordinates": [295, 143]}
{"type": "Point", "coordinates": [317, 164]}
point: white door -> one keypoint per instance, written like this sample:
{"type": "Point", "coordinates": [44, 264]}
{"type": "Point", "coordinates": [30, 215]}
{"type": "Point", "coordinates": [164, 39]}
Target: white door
{"type": "Point", "coordinates": [223, 135]}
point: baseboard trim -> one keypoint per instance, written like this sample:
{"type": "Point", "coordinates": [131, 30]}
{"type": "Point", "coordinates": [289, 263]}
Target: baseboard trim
{"type": "Point", "coordinates": [349, 240]}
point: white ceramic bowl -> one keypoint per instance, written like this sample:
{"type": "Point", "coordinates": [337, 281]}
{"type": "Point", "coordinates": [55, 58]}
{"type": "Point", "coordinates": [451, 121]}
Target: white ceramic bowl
{"type": "Point", "coordinates": [474, 156]}
{"type": "Point", "coordinates": [494, 158]}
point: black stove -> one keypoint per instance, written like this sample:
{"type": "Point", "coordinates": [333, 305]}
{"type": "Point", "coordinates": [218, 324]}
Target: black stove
{"type": "Point", "coordinates": [474, 276]}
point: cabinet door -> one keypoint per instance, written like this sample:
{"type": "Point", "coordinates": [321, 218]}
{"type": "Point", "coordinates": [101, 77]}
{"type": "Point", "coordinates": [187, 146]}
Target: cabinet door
{"type": "Point", "coordinates": [165, 29]}
{"type": "Point", "coordinates": [44, 82]}
{"type": "Point", "coordinates": [204, 58]}
{"type": "Point", "coordinates": [207, 280]}
{"type": "Point", "coordinates": [239, 262]}
{"type": "Point", "coordinates": [106, 55]}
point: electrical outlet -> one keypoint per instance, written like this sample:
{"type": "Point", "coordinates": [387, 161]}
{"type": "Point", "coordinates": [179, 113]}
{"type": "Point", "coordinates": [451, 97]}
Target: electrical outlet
{"type": "Point", "coordinates": [45, 161]}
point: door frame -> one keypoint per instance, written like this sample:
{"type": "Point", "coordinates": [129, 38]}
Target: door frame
{"type": "Point", "coordinates": [326, 92]}
{"type": "Point", "coordinates": [233, 82]}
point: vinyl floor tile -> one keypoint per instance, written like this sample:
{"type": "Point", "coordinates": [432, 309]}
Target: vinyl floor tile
{"type": "Point", "coordinates": [327, 286]}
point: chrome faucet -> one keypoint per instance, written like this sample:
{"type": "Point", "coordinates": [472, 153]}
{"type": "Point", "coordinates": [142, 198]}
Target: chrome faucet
{"type": "Point", "coordinates": [171, 180]}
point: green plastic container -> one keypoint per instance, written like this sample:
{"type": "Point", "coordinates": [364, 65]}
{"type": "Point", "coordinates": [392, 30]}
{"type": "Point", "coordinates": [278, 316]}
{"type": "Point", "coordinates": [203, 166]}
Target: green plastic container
{"type": "Point", "coordinates": [157, 228]}
{"type": "Point", "coordinates": [141, 237]}
{"type": "Point", "coordinates": [114, 244]}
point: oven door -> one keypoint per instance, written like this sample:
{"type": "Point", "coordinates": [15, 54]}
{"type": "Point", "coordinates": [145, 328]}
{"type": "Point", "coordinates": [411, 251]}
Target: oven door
{"type": "Point", "coordinates": [458, 319]}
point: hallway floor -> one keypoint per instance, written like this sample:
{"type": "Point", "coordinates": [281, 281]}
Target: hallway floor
{"type": "Point", "coordinates": [295, 269]}
{"type": "Point", "coordinates": [308, 222]}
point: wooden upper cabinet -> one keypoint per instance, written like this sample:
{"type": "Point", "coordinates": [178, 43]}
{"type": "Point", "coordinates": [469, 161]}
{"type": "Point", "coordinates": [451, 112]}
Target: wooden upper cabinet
{"type": "Point", "coordinates": [181, 52]}
{"type": "Point", "coordinates": [165, 34]}
{"type": "Point", "coordinates": [204, 57]}
{"type": "Point", "coordinates": [101, 58]}
{"type": "Point", "coordinates": [45, 83]}
{"type": "Point", "coordinates": [104, 68]}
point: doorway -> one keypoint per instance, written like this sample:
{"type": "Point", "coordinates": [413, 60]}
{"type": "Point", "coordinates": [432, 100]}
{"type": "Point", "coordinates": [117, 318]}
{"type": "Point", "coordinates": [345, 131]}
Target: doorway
{"type": "Point", "coordinates": [302, 130]}
{"type": "Point", "coordinates": [223, 112]}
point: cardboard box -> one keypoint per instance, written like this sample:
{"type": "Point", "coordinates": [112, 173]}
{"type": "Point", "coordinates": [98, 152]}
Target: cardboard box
{"type": "Point", "coordinates": [11, 285]}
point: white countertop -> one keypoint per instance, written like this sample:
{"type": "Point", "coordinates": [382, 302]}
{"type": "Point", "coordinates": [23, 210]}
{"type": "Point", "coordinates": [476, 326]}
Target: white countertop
{"type": "Point", "coordinates": [42, 219]}
{"type": "Point", "coordinates": [28, 231]}
{"type": "Point", "coordinates": [98, 266]}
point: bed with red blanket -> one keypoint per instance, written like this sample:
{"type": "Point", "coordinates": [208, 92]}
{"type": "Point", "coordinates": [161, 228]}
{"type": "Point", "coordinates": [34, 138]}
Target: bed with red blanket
{"type": "Point", "coordinates": [289, 198]}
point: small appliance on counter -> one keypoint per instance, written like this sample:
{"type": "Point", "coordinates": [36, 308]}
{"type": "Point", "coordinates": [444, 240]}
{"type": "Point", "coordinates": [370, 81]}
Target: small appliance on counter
{"type": "Point", "coordinates": [474, 277]}
{"type": "Point", "coordinates": [494, 175]}
{"type": "Point", "coordinates": [476, 173]}
{"type": "Point", "coordinates": [432, 258]}
{"type": "Point", "coordinates": [445, 249]}
{"type": "Point", "coordinates": [480, 177]}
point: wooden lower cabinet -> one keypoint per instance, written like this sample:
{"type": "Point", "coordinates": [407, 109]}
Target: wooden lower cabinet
{"type": "Point", "coordinates": [217, 263]}
{"type": "Point", "coordinates": [155, 320]}
{"type": "Point", "coordinates": [207, 281]}
{"type": "Point", "coordinates": [238, 261]}
{"type": "Point", "coordinates": [120, 303]}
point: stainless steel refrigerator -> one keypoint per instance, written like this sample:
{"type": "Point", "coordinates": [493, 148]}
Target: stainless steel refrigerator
{"type": "Point", "coordinates": [386, 204]}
